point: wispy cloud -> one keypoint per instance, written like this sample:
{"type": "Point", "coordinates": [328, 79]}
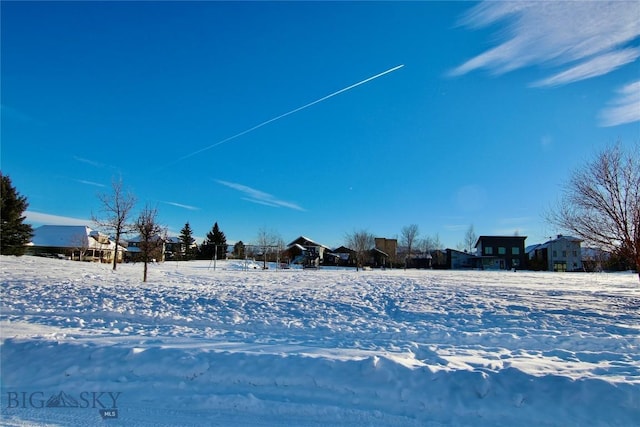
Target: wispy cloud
{"type": "Point", "coordinates": [180, 205]}
{"type": "Point", "coordinates": [625, 108]}
{"type": "Point", "coordinates": [95, 184]}
{"type": "Point", "coordinates": [581, 39]}
{"type": "Point", "coordinates": [48, 219]}
{"type": "Point", "coordinates": [95, 164]}
{"type": "Point", "coordinates": [260, 197]}
{"type": "Point", "coordinates": [89, 162]}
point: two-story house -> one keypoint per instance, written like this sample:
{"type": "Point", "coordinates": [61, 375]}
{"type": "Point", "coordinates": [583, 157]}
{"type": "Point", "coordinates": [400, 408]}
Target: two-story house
{"type": "Point", "coordinates": [563, 253]}
{"type": "Point", "coordinates": [501, 252]}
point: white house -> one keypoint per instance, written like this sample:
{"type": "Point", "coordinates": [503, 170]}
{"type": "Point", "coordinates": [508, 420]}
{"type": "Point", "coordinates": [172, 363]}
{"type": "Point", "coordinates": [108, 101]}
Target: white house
{"type": "Point", "coordinates": [561, 254]}
{"type": "Point", "coordinates": [74, 242]}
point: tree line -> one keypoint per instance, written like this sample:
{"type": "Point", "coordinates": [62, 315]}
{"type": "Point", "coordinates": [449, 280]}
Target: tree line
{"type": "Point", "coordinates": [600, 204]}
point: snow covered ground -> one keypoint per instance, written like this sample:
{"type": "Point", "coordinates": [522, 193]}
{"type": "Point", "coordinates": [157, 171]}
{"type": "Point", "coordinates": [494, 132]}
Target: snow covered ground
{"type": "Point", "coordinates": [198, 346]}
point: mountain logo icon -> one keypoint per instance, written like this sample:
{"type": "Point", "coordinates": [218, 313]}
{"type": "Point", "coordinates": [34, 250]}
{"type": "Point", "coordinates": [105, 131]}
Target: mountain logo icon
{"type": "Point", "coordinates": [62, 400]}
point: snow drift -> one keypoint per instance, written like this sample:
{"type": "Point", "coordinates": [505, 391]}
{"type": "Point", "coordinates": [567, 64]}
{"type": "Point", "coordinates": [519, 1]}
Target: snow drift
{"type": "Point", "coordinates": [198, 346]}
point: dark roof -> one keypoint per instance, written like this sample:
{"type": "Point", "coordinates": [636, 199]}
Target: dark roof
{"type": "Point", "coordinates": [343, 250]}
{"type": "Point", "coordinates": [380, 252]}
{"type": "Point", "coordinates": [499, 237]}
{"type": "Point", "coordinates": [304, 241]}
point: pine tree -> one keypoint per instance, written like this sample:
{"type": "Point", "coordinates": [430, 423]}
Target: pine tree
{"type": "Point", "coordinates": [215, 239]}
{"type": "Point", "coordinates": [14, 234]}
{"type": "Point", "coordinates": [186, 237]}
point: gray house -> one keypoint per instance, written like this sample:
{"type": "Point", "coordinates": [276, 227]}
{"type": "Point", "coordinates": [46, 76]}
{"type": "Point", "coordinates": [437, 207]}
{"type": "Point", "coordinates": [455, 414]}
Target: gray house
{"type": "Point", "coordinates": [563, 253]}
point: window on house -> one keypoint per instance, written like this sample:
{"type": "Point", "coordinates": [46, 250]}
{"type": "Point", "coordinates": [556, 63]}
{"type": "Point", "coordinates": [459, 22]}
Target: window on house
{"type": "Point", "coordinates": [555, 253]}
{"type": "Point", "coordinates": [488, 250]}
{"type": "Point", "coordinates": [502, 251]}
{"type": "Point", "coordinates": [515, 251]}
{"type": "Point", "coordinates": [575, 253]}
{"type": "Point", "coordinates": [564, 254]}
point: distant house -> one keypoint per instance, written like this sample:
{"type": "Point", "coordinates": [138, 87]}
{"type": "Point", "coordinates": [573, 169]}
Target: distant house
{"type": "Point", "coordinates": [458, 260]}
{"type": "Point", "coordinates": [439, 259]}
{"type": "Point", "coordinates": [134, 251]}
{"type": "Point", "coordinates": [501, 252]}
{"type": "Point", "coordinates": [346, 256]}
{"type": "Point", "coordinates": [378, 258]}
{"type": "Point", "coordinates": [77, 242]}
{"type": "Point", "coordinates": [307, 252]}
{"type": "Point", "coordinates": [389, 247]}
{"type": "Point", "coordinates": [560, 254]}
{"type": "Point", "coordinates": [174, 248]}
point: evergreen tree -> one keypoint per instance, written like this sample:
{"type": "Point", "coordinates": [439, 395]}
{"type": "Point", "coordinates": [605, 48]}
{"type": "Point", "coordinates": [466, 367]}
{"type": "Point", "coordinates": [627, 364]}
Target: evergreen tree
{"type": "Point", "coordinates": [186, 237]}
{"type": "Point", "coordinates": [14, 235]}
{"type": "Point", "coordinates": [215, 239]}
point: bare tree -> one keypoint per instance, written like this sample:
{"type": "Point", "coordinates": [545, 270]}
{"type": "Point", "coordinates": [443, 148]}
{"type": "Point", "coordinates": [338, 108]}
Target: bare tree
{"type": "Point", "coordinates": [601, 203]}
{"type": "Point", "coordinates": [152, 236]}
{"type": "Point", "coordinates": [116, 209]}
{"type": "Point", "coordinates": [361, 242]}
{"type": "Point", "coordinates": [267, 241]}
{"type": "Point", "coordinates": [429, 244]}
{"type": "Point", "coordinates": [281, 246]}
{"type": "Point", "coordinates": [408, 237]}
{"type": "Point", "coordinates": [470, 239]}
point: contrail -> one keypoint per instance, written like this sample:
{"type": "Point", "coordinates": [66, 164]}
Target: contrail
{"type": "Point", "coordinates": [324, 98]}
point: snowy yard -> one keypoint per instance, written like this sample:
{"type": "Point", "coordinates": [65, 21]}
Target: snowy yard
{"type": "Point", "coordinates": [198, 346]}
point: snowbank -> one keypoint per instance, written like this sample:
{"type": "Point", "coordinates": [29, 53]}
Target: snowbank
{"type": "Point", "coordinates": [233, 346]}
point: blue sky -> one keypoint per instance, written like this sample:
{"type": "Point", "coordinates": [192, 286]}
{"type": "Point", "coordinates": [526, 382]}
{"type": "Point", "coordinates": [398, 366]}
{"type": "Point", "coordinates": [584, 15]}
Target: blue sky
{"type": "Point", "coordinates": [207, 110]}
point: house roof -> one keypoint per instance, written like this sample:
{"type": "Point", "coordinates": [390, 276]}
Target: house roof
{"type": "Point", "coordinates": [71, 236]}
{"type": "Point", "coordinates": [546, 244]}
{"type": "Point", "coordinates": [343, 250]}
{"type": "Point", "coordinates": [380, 252]}
{"type": "Point", "coordinates": [302, 248]}
{"type": "Point", "coordinates": [138, 239]}
{"type": "Point", "coordinates": [523, 238]}
{"type": "Point", "coordinates": [305, 241]}
{"type": "Point", "coordinates": [569, 238]}
{"type": "Point", "coordinates": [532, 248]}
{"type": "Point", "coordinates": [468, 254]}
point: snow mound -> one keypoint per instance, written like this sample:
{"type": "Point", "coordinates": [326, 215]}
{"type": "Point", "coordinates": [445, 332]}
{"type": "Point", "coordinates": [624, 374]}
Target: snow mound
{"type": "Point", "coordinates": [237, 346]}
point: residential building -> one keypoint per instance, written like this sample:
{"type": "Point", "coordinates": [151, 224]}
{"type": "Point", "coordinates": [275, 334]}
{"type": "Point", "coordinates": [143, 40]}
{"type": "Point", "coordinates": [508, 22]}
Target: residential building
{"type": "Point", "coordinates": [389, 247]}
{"type": "Point", "coordinates": [134, 251]}
{"type": "Point", "coordinates": [77, 242]}
{"type": "Point", "coordinates": [378, 259]}
{"type": "Point", "coordinates": [346, 256]}
{"type": "Point", "coordinates": [501, 252]}
{"type": "Point", "coordinates": [307, 252]}
{"type": "Point", "coordinates": [174, 248]}
{"type": "Point", "coordinates": [458, 260]}
{"type": "Point", "coordinates": [560, 254]}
